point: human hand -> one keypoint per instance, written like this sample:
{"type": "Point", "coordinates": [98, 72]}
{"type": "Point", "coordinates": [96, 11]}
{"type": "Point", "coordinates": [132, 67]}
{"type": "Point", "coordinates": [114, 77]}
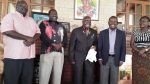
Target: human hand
{"type": "Point", "coordinates": [120, 63]}
{"type": "Point", "coordinates": [100, 61]}
{"type": "Point", "coordinates": [29, 41]}
{"type": "Point", "coordinates": [141, 52]}
{"type": "Point", "coordinates": [93, 47]}
{"type": "Point", "coordinates": [73, 62]}
{"type": "Point", "coordinates": [144, 55]}
{"type": "Point", "coordinates": [57, 46]}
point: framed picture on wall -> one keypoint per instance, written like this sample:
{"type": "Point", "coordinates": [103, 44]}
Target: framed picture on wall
{"type": "Point", "coordinates": [86, 8]}
{"type": "Point", "coordinates": [38, 17]}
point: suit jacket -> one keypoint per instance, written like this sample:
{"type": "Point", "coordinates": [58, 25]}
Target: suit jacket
{"type": "Point", "coordinates": [80, 43]}
{"type": "Point", "coordinates": [120, 46]}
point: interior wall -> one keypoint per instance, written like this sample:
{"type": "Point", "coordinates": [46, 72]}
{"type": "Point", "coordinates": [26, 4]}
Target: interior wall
{"type": "Point", "coordinates": [65, 9]}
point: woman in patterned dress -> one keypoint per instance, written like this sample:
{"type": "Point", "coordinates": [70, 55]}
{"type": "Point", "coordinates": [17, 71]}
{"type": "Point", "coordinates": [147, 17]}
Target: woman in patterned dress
{"type": "Point", "coordinates": [140, 44]}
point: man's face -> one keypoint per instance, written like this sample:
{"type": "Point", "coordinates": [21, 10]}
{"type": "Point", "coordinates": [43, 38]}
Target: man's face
{"type": "Point", "coordinates": [53, 15]}
{"type": "Point", "coordinates": [22, 8]}
{"type": "Point", "coordinates": [113, 22]}
{"type": "Point", "coordinates": [87, 22]}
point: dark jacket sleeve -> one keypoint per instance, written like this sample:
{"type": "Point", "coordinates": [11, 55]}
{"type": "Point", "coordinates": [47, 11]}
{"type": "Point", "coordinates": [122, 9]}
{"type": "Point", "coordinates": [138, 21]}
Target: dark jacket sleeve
{"type": "Point", "coordinates": [72, 45]}
{"type": "Point", "coordinates": [95, 40]}
{"type": "Point", "coordinates": [100, 45]}
{"type": "Point", "coordinates": [65, 38]}
{"type": "Point", "coordinates": [44, 38]}
{"type": "Point", "coordinates": [123, 48]}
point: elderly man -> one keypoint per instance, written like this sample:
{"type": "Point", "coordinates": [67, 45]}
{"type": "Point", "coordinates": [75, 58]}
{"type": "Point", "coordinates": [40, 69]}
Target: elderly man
{"type": "Point", "coordinates": [82, 40]}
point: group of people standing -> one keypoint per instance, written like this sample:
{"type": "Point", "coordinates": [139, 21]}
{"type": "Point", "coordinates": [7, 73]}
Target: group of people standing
{"type": "Point", "coordinates": [111, 48]}
{"type": "Point", "coordinates": [20, 33]}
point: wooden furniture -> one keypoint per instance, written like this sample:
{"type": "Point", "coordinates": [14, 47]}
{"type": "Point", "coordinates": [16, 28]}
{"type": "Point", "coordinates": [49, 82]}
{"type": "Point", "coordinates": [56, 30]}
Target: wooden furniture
{"type": "Point", "coordinates": [130, 11]}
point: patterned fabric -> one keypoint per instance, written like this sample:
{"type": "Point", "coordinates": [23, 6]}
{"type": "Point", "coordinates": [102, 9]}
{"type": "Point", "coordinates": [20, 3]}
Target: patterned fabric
{"type": "Point", "coordinates": [141, 65]}
{"type": "Point", "coordinates": [140, 69]}
{"type": "Point", "coordinates": [52, 32]}
{"type": "Point", "coordinates": [142, 39]}
{"type": "Point", "coordinates": [81, 11]}
{"type": "Point", "coordinates": [49, 30]}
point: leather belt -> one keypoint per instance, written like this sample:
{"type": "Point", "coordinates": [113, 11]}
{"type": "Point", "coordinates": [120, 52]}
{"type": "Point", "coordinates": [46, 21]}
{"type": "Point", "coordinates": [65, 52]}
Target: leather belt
{"type": "Point", "coordinates": [113, 55]}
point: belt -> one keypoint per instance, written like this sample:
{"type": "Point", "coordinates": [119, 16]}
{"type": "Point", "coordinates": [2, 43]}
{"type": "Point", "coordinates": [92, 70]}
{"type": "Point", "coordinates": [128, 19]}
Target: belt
{"type": "Point", "coordinates": [113, 55]}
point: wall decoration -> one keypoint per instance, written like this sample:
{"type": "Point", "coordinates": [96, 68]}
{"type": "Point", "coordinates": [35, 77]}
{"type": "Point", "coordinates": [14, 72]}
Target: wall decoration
{"type": "Point", "coordinates": [86, 8]}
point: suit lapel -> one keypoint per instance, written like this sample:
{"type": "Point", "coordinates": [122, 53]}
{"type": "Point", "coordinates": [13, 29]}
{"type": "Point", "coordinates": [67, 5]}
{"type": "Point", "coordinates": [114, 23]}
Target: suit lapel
{"type": "Point", "coordinates": [89, 36]}
{"type": "Point", "coordinates": [117, 38]}
{"type": "Point", "coordinates": [83, 33]}
{"type": "Point", "coordinates": [107, 38]}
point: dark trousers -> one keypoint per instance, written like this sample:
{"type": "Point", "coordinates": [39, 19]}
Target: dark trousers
{"type": "Point", "coordinates": [84, 72]}
{"type": "Point", "coordinates": [18, 71]}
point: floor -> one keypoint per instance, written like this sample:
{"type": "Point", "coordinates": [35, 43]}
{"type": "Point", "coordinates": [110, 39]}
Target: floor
{"type": "Point", "coordinates": [120, 82]}
{"type": "Point", "coordinates": [125, 82]}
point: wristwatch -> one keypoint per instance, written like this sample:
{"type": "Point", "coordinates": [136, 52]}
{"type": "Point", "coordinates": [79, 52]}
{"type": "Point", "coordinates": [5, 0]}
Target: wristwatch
{"type": "Point", "coordinates": [146, 49]}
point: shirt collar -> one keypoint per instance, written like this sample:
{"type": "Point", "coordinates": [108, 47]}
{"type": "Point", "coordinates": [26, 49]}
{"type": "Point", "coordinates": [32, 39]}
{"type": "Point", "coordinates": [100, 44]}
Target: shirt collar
{"type": "Point", "coordinates": [19, 14]}
{"type": "Point", "coordinates": [112, 31]}
{"type": "Point", "coordinates": [85, 29]}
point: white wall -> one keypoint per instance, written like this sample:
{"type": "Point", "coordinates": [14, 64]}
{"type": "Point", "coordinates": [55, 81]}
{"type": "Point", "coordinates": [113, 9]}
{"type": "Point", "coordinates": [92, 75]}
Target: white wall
{"type": "Point", "coordinates": [65, 9]}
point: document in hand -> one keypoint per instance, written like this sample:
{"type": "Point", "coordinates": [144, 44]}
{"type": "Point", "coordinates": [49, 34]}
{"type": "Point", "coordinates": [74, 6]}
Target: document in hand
{"type": "Point", "coordinates": [91, 56]}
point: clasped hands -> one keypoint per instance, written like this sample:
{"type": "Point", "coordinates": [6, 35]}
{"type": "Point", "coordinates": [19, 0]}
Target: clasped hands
{"type": "Point", "coordinates": [142, 53]}
{"type": "Point", "coordinates": [29, 41]}
{"type": "Point", "coordinates": [57, 46]}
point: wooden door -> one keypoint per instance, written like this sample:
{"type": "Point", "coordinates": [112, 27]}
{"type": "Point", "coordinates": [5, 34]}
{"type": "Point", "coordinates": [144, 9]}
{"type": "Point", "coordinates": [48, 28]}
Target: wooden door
{"type": "Point", "coordinates": [134, 10]}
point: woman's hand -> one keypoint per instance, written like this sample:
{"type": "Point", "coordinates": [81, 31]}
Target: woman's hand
{"type": "Point", "coordinates": [142, 53]}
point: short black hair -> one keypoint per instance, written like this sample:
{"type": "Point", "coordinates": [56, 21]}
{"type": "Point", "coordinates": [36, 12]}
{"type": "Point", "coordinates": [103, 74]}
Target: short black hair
{"type": "Point", "coordinates": [145, 17]}
{"type": "Point", "coordinates": [51, 11]}
{"type": "Point", "coordinates": [86, 17]}
{"type": "Point", "coordinates": [113, 17]}
{"type": "Point", "coordinates": [20, 2]}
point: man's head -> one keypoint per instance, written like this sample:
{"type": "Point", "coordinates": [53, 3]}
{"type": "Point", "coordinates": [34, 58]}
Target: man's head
{"type": "Point", "coordinates": [53, 15]}
{"type": "Point", "coordinates": [113, 22]}
{"type": "Point", "coordinates": [86, 22]}
{"type": "Point", "coordinates": [22, 7]}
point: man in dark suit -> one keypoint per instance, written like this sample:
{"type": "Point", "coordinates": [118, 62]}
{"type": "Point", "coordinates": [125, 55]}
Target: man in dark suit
{"type": "Point", "coordinates": [82, 40]}
{"type": "Point", "coordinates": [112, 50]}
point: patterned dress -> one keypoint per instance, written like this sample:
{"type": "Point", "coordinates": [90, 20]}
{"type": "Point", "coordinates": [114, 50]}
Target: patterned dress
{"type": "Point", "coordinates": [141, 65]}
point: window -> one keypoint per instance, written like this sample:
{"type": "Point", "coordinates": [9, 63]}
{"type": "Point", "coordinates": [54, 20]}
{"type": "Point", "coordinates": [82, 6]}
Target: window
{"type": "Point", "coordinates": [42, 6]}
